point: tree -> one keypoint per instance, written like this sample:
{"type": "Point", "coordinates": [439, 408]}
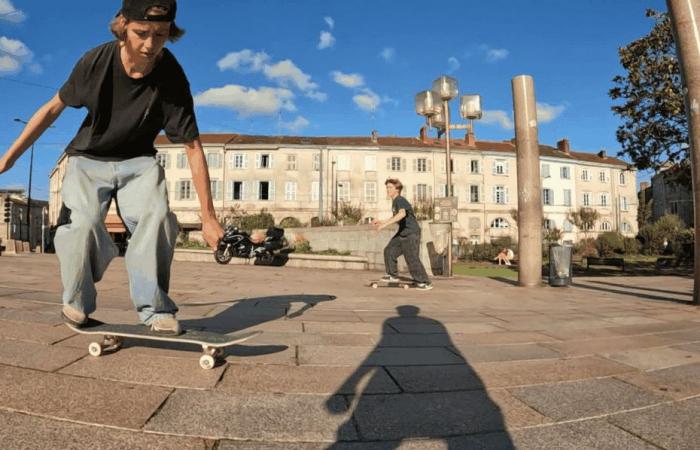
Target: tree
{"type": "Point", "coordinates": [654, 129]}
{"type": "Point", "coordinates": [644, 211]}
{"type": "Point", "coordinates": [584, 218]}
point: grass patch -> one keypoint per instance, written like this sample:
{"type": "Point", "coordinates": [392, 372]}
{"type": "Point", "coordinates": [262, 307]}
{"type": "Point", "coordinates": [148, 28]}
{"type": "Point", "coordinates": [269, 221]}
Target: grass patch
{"type": "Point", "coordinates": [477, 270]}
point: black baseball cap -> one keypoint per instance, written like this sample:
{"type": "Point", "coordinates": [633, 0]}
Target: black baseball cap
{"type": "Point", "coordinates": [138, 10]}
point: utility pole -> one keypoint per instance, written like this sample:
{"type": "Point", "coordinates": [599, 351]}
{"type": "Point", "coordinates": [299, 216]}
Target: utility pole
{"type": "Point", "coordinates": [685, 18]}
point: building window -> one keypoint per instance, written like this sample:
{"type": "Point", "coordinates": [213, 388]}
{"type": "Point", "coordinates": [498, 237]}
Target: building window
{"type": "Point", "coordinates": [500, 222]}
{"type": "Point", "coordinates": [585, 175]}
{"type": "Point", "coordinates": [370, 163]}
{"type": "Point", "coordinates": [263, 161]}
{"type": "Point", "coordinates": [605, 226]}
{"type": "Point", "coordinates": [567, 197]}
{"type": "Point", "coordinates": [622, 178]}
{"type": "Point", "coordinates": [236, 190]}
{"type": "Point", "coordinates": [291, 162]}
{"type": "Point", "coordinates": [474, 239]}
{"type": "Point", "coordinates": [604, 200]}
{"type": "Point", "coordinates": [316, 164]}
{"type": "Point", "coordinates": [500, 195]}
{"type": "Point", "coordinates": [603, 176]}
{"type": "Point", "coordinates": [565, 172]}
{"type": "Point", "coordinates": [547, 197]}
{"type": "Point", "coordinates": [567, 225]}
{"type": "Point", "coordinates": [626, 228]}
{"type": "Point", "coordinates": [586, 199]}
{"type": "Point", "coordinates": [421, 193]}
{"type": "Point", "coordinates": [265, 190]}
{"type": "Point", "coordinates": [239, 161]}
{"type": "Point", "coordinates": [500, 167]}
{"type": "Point", "coordinates": [184, 190]}
{"type": "Point", "coordinates": [474, 166]}
{"type": "Point", "coordinates": [164, 160]}
{"type": "Point", "coordinates": [290, 191]}
{"type": "Point", "coordinates": [395, 163]}
{"type": "Point", "coordinates": [343, 162]}
{"type": "Point", "coordinates": [182, 162]}
{"type": "Point", "coordinates": [344, 191]}
{"type": "Point", "coordinates": [314, 191]}
{"type": "Point", "coordinates": [214, 160]}
{"type": "Point", "coordinates": [548, 224]}
{"type": "Point", "coordinates": [421, 165]}
{"type": "Point", "coordinates": [215, 186]}
{"type": "Point", "coordinates": [474, 194]}
{"type": "Point", "coordinates": [623, 204]}
{"type": "Point", "coordinates": [443, 190]}
{"type": "Point", "coordinates": [370, 191]}
{"type": "Point", "coordinates": [545, 171]}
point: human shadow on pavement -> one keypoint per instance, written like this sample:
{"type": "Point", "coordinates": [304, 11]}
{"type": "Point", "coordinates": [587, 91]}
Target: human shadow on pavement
{"type": "Point", "coordinates": [402, 391]}
{"type": "Point", "coordinates": [640, 288]}
{"type": "Point", "coordinates": [625, 290]}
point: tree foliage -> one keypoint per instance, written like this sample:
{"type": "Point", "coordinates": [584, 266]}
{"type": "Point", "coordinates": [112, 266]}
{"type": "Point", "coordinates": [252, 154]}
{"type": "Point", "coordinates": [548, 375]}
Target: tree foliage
{"type": "Point", "coordinates": [654, 128]}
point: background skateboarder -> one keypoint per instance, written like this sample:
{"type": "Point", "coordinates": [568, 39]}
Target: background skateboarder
{"type": "Point", "coordinates": [132, 88]}
{"type": "Point", "coordinates": [406, 241]}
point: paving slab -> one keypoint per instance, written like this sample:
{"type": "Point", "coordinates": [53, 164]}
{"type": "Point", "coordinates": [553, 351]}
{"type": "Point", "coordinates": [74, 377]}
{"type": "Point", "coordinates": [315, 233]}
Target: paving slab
{"type": "Point", "coordinates": [37, 332]}
{"type": "Point", "coordinates": [221, 415]}
{"type": "Point", "coordinates": [31, 355]}
{"type": "Point", "coordinates": [516, 414]}
{"type": "Point", "coordinates": [654, 358]}
{"type": "Point", "coordinates": [671, 426]}
{"type": "Point", "coordinates": [608, 345]}
{"type": "Point", "coordinates": [240, 379]}
{"type": "Point", "coordinates": [347, 327]}
{"type": "Point", "coordinates": [131, 367]}
{"type": "Point", "coordinates": [21, 431]}
{"type": "Point", "coordinates": [587, 398]}
{"type": "Point", "coordinates": [694, 347]}
{"type": "Point", "coordinates": [514, 352]}
{"type": "Point", "coordinates": [80, 399]}
{"type": "Point", "coordinates": [676, 382]}
{"type": "Point", "coordinates": [589, 435]}
{"type": "Point", "coordinates": [376, 356]}
{"type": "Point", "coordinates": [52, 317]}
{"type": "Point", "coordinates": [22, 304]}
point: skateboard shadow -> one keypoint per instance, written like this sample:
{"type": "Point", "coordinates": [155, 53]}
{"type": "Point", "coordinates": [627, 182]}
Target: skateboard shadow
{"type": "Point", "coordinates": [402, 391]}
{"type": "Point", "coordinates": [250, 312]}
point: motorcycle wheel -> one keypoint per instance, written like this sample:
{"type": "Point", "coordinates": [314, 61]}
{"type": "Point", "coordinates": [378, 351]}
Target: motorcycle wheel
{"type": "Point", "coordinates": [221, 257]}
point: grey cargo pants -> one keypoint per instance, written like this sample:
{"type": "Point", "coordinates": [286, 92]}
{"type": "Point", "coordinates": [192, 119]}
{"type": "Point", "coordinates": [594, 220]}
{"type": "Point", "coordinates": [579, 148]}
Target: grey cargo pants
{"type": "Point", "coordinates": [409, 247]}
{"type": "Point", "coordinates": [85, 249]}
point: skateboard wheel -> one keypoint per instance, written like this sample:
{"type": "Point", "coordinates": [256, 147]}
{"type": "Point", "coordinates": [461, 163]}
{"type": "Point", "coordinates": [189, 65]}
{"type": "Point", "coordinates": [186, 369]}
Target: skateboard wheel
{"type": "Point", "coordinates": [207, 362]}
{"type": "Point", "coordinates": [405, 286]}
{"type": "Point", "coordinates": [95, 349]}
{"type": "Point", "coordinates": [374, 285]}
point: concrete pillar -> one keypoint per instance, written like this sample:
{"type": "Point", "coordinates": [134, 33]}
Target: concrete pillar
{"type": "Point", "coordinates": [529, 186]}
{"type": "Point", "coordinates": [685, 18]}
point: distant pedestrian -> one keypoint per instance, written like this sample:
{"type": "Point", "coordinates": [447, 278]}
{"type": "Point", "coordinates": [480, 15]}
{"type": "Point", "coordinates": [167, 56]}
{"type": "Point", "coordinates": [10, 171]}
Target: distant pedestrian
{"type": "Point", "coordinates": [406, 241]}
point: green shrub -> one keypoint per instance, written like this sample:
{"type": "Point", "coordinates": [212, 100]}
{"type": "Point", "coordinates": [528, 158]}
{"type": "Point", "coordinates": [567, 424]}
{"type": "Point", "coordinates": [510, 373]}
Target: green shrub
{"type": "Point", "coordinates": [662, 231]}
{"type": "Point", "coordinates": [302, 246]}
{"type": "Point", "coordinates": [290, 222]}
{"type": "Point", "coordinates": [609, 243]}
{"type": "Point", "coordinates": [683, 243]}
{"type": "Point", "coordinates": [586, 247]}
{"type": "Point", "coordinates": [332, 251]}
{"type": "Point", "coordinates": [261, 221]}
{"type": "Point", "coordinates": [326, 222]}
{"type": "Point", "coordinates": [631, 246]}
{"type": "Point", "coordinates": [350, 214]}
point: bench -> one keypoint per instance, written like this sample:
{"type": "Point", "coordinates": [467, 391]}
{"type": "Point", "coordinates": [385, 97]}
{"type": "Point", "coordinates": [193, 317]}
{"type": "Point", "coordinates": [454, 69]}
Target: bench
{"type": "Point", "coordinates": [618, 262]}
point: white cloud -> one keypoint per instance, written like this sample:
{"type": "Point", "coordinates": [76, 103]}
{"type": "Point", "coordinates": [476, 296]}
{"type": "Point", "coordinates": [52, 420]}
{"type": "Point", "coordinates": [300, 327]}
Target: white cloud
{"type": "Point", "coordinates": [493, 54]}
{"type": "Point", "coordinates": [244, 61]}
{"type": "Point", "coordinates": [248, 101]}
{"type": "Point", "coordinates": [296, 125]}
{"type": "Point", "coordinates": [348, 80]}
{"type": "Point", "coordinates": [330, 22]}
{"type": "Point", "coordinates": [14, 55]}
{"type": "Point", "coordinates": [453, 64]}
{"type": "Point", "coordinates": [284, 73]}
{"type": "Point", "coordinates": [547, 113]}
{"type": "Point", "coordinates": [326, 40]}
{"type": "Point", "coordinates": [497, 117]}
{"type": "Point", "coordinates": [388, 54]}
{"type": "Point", "coordinates": [9, 13]}
{"type": "Point", "coordinates": [367, 100]}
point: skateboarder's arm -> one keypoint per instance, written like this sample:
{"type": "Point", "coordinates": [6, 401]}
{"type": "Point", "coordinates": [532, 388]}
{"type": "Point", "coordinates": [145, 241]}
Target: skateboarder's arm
{"type": "Point", "coordinates": [397, 218]}
{"type": "Point", "coordinates": [39, 122]}
{"type": "Point", "coordinates": [211, 229]}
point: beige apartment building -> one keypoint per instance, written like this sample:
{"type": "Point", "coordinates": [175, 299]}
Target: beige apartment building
{"type": "Point", "coordinates": [306, 177]}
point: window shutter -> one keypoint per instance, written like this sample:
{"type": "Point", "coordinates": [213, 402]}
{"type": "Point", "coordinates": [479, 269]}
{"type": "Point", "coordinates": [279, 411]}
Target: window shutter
{"type": "Point", "coordinates": [177, 190]}
{"type": "Point", "coordinates": [506, 168]}
{"type": "Point", "coordinates": [493, 195]}
{"type": "Point", "coordinates": [258, 160]}
{"type": "Point", "coordinates": [442, 166]}
{"type": "Point", "coordinates": [256, 190]}
{"type": "Point", "coordinates": [481, 194]}
{"type": "Point", "coordinates": [403, 164]}
{"type": "Point", "coordinates": [271, 191]}
{"type": "Point", "coordinates": [493, 167]}
{"type": "Point", "coordinates": [388, 164]}
{"type": "Point", "coordinates": [507, 195]}
{"type": "Point", "coordinates": [429, 164]}
{"type": "Point", "coordinates": [430, 193]}
{"type": "Point", "coordinates": [271, 159]}
{"type": "Point", "coordinates": [415, 165]}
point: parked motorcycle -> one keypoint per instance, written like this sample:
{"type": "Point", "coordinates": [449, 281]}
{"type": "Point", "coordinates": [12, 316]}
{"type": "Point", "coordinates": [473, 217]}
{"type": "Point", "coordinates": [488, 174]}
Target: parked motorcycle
{"type": "Point", "coordinates": [273, 250]}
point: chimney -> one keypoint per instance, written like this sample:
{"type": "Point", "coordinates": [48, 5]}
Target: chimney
{"type": "Point", "coordinates": [563, 146]}
{"type": "Point", "coordinates": [423, 134]}
{"type": "Point", "coordinates": [470, 139]}
{"type": "Point", "coordinates": [375, 134]}
{"type": "Point", "coordinates": [602, 154]}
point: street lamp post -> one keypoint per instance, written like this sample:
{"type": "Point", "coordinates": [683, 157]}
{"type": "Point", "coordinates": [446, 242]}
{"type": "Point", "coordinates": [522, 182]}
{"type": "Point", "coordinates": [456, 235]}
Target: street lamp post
{"type": "Point", "coordinates": [434, 106]}
{"type": "Point", "coordinates": [335, 190]}
{"type": "Point", "coordinates": [29, 197]}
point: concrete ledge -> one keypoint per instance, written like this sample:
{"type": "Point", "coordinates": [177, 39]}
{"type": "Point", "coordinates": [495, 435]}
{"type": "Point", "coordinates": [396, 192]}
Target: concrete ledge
{"type": "Point", "coordinates": [295, 260]}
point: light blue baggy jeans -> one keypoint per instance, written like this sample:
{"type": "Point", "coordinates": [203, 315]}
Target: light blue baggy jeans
{"type": "Point", "coordinates": [85, 249]}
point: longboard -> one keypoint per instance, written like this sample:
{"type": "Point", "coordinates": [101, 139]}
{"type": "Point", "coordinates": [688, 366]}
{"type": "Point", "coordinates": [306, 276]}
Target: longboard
{"type": "Point", "coordinates": [213, 344]}
{"type": "Point", "coordinates": [384, 283]}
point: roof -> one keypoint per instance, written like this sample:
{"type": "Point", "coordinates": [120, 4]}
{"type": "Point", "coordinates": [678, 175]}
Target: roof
{"type": "Point", "coordinates": [392, 141]}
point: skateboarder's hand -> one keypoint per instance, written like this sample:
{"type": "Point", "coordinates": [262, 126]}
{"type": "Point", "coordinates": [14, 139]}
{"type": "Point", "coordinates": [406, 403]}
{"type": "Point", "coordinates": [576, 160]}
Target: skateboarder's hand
{"type": "Point", "coordinates": [5, 165]}
{"type": "Point", "coordinates": [212, 232]}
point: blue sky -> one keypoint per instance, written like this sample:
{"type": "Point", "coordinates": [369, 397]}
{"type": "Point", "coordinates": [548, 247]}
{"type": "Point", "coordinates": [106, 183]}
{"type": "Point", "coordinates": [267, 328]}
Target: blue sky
{"type": "Point", "coordinates": [338, 67]}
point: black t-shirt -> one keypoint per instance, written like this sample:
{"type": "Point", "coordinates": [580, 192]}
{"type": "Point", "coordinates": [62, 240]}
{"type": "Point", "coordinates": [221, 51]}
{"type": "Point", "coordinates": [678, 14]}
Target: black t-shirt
{"type": "Point", "coordinates": [124, 114]}
{"type": "Point", "coordinates": [408, 225]}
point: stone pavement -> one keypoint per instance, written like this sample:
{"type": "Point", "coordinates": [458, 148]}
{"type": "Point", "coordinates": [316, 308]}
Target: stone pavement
{"type": "Point", "coordinates": [476, 363]}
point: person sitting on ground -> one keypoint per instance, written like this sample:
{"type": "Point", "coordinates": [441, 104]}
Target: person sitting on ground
{"type": "Point", "coordinates": [505, 255]}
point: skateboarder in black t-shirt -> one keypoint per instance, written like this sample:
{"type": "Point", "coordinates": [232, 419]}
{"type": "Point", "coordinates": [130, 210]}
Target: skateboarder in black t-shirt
{"type": "Point", "coordinates": [406, 241]}
{"type": "Point", "coordinates": [132, 88]}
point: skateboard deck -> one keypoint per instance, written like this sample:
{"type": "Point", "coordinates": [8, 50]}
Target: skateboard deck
{"type": "Point", "coordinates": [212, 344]}
{"type": "Point", "coordinates": [383, 283]}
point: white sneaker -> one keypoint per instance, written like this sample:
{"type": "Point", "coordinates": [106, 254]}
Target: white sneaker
{"type": "Point", "coordinates": [166, 325]}
{"type": "Point", "coordinates": [73, 316]}
{"type": "Point", "coordinates": [390, 278]}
